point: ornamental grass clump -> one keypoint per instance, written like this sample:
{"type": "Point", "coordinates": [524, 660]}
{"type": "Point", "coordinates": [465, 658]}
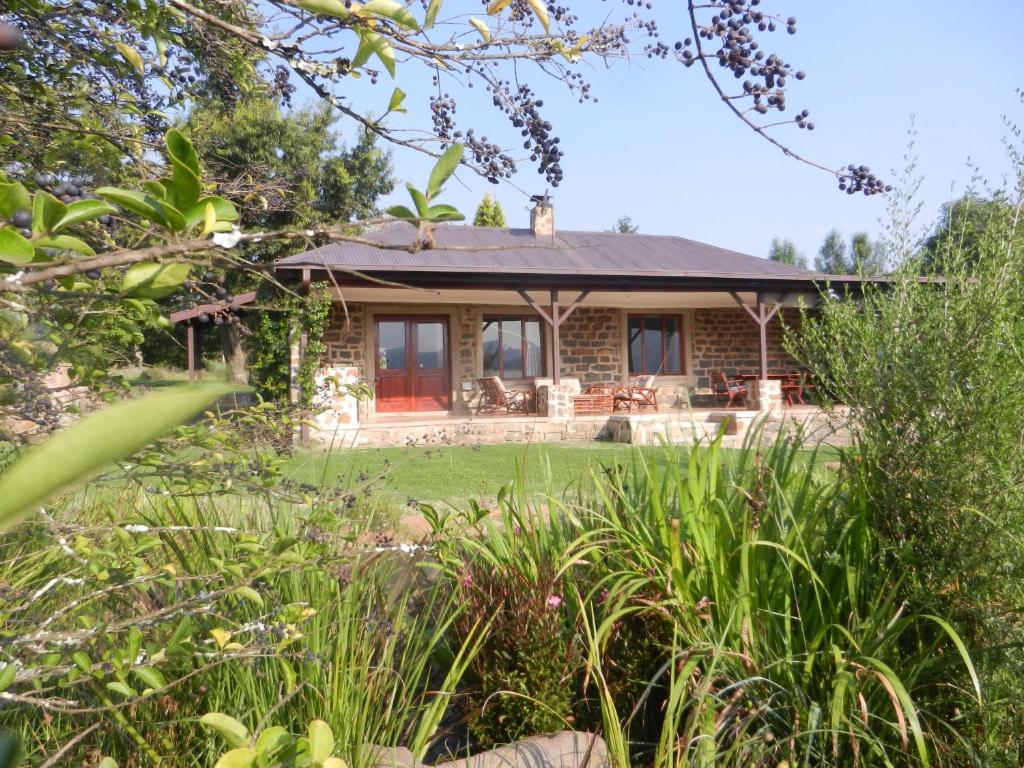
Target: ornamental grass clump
{"type": "Point", "coordinates": [785, 642]}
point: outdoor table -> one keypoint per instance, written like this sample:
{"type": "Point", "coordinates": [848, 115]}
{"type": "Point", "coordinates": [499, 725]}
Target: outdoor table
{"type": "Point", "coordinates": [592, 403]}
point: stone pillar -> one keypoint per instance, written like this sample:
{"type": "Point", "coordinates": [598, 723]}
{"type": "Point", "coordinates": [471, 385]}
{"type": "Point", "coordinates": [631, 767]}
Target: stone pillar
{"type": "Point", "coordinates": [555, 401]}
{"type": "Point", "coordinates": [335, 404]}
{"type": "Point", "coordinates": [766, 396]}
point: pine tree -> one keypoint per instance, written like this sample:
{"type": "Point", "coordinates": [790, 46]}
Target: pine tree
{"type": "Point", "coordinates": [832, 258]}
{"type": "Point", "coordinates": [785, 252]}
{"type": "Point", "coordinates": [489, 214]}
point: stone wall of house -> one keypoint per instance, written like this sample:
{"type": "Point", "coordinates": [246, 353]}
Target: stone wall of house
{"type": "Point", "coordinates": [465, 344]}
{"type": "Point", "coordinates": [727, 340]}
{"type": "Point", "coordinates": [592, 340]}
{"type": "Point", "coordinates": [345, 336]}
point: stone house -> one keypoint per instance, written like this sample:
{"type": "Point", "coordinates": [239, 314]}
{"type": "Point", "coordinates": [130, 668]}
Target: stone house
{"type": "Point", "coordinates": [550, 311]}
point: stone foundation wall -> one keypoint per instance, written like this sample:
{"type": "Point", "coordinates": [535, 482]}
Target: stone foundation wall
{"type": "Point", "coordinates": [592, 346]}
{"type": "Point", "coordinates": [727, 340]}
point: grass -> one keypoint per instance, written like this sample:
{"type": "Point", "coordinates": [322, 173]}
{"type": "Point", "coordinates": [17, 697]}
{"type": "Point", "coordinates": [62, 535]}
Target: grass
{"type": "Point", "coordinates": [457, 473]}
{"type": "Point", "coordinates": [454, 474]}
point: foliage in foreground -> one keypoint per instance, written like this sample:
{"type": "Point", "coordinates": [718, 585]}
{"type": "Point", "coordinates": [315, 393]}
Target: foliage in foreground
{"type": "Point", "coordinates": [930, 370]}
{"type": "Point", "coordinates": [713, 611]}
{"type": "Point", "coordinates": [698, 608]}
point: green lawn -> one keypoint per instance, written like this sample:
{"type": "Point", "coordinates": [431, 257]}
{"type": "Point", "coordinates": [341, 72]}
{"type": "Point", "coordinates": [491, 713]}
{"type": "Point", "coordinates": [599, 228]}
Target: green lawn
{"type": "Point", "coordinates": [457, 473]}
{"type": "Point", "coordinates": [454, 474]}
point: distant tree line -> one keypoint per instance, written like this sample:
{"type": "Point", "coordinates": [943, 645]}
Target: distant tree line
{"type": "Point", "coordinates": [957, 231]}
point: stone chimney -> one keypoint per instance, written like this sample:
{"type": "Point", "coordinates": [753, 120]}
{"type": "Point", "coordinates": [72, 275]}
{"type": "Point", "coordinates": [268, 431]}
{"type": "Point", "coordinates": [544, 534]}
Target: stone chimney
{"type": "Point", "coordinates": [542, 216]}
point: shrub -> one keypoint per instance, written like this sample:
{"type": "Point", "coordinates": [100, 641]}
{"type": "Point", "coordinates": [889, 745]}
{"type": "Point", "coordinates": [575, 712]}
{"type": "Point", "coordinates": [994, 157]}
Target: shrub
{"type": "Point", "coordinates": [931, 372]}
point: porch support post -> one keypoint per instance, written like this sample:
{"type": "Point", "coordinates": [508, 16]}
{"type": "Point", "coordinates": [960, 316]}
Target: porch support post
{"type": "Point", "coordinates": [191, 344]}
{"type": "Point", "coordinates": [556, 345]}
{"type": "Point", "coordinates": [555, 318]}
{"type": "Point", "coordinates": [762, 316]}
{"type": "Point", "coordinates": [303, 341]}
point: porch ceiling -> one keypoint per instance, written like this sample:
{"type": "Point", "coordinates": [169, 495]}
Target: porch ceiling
{"type": "Point", "coordinates": [621, 299]}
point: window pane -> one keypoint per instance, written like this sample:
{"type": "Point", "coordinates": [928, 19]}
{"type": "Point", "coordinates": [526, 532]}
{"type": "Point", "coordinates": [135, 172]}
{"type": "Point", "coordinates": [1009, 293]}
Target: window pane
{"type": "Point", "coordinates": [512, 348]}
{"type": "Point", "coordinates": [534, 348]}
{"type": "Point", "coordinates": [635, 349]}
{"type": "Point", "coordinates": [492, 348]}
{"type": "Point", "coordinates": [430, 345]}
{"type": "Point", "coordinates": [391, 343]}
{"type": "Point", "coordinates": [673, 346]}
{"type": "Point", "coordinates": [652, 344]}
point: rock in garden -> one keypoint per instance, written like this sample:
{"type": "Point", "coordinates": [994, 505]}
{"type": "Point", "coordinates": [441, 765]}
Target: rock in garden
{"type": "Point", "coordinates": [566, 749]}
{"type": "Point", "coordinates": [393, 757]}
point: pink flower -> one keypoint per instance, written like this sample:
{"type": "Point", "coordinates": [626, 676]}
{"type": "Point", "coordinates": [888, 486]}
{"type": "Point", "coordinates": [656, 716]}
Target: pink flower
{"type": "Point", "coordinates": [467, 580]}
{"type": "Point", "coordinates": [554, 601]}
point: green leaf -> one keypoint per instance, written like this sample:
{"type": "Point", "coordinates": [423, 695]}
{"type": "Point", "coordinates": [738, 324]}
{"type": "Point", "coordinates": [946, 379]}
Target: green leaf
{"type": "Point", "coordinates": [82, 660]}
{"type": "Point", "coordinates": [483, 29]}
{"type": "Point", "coordinates": [149, 280]}
{"type": "Point", "coordinates": [7, 675]}
{"type": "Point", "coordinates": [15, 249]}
{"type": "Point", "coordinates": [288, 672]}
{"type": "Point", "coordinates": [432, 10]}
{"type": "Point", "coordinates": [418, 199]}
{"type": "Point", "coordinates": [145, 205]}
{"type": "Point", "coordinates": [321, 741]}
{"type": "Point", "coordinates": [250, 594]}
{"type": "Point", "coordinates": [270, 739]}
{"type": "Point", "coordinates": [372, 43]}
{"type": "Point", "coordinates": [232, 731]}
{"type": "Point", "coordinates": [444, 213]}
{"type": "Point", "coordinates": [150, 676]}
{"type": "Point", "coordinates": [397, 98]}
{"type": "Point", "coordinates": [237, 758]}
{"type": "Point", "coordinates": [74, 453]}
{"type": "Point", "coordinates": [326, 7]}
{"type": "Point", "coordinates": [389, 9]}
{"type": "Point", "coordinates": [64, 243]}
{"type": "Point", "coordinates": [180, 148]}
{"type": "Point", "coordinates": [181, 631]}
{"type": "Point", "coordinates": [224, 210]}
{"type": "Point", "coordinates": [443, 169]}
{"type": "Point", "coordinates": [186, 189]}
{"type": "Point", "coordinates": [155, 188]}
{"type": "Point", "coordinates": [131, 56]}
{"type": "Point", "coordinates": [46, 212]}
{"type": "Point", "coordinates": [401, 212]}
{"type": "Point", "coordinates": [107, 762]}
{"type": "Point", "coordinates": [83, 210]}
{"type": "Point", "coordinates": [124, 689]}
{"type": "Point", "coordinates": [14, 197]}
{"type": "Point", "coordinates": [540, 10]}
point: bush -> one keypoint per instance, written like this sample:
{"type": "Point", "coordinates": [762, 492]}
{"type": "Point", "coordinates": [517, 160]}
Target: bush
{"type": "Point", "coordinates": [931, 371]}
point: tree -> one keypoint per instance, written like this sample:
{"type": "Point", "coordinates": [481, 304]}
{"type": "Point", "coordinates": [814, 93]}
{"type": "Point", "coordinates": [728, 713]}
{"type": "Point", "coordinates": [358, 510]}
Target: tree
{"type": "Point", "coordinates": [959, 229]}
{"type": "Point", "coordinates": [489, 214]}
{"type": "Point", "coordinates": [832, 257]}
{"type": "Point", "coordinates": [625, 226]}
{"type": "Point", "coordinates": [785, 252]}
{"type": "Point", "coordinates": [865, 256]}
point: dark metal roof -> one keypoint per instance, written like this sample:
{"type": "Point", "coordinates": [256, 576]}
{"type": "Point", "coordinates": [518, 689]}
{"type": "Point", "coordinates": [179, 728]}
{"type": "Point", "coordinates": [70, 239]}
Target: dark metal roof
{"type": "Point", "coordinates": [483, 250]}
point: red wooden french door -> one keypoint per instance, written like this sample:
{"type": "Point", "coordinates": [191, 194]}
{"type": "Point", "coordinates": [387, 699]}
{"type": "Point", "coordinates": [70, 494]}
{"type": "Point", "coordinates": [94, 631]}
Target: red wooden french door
{"type": "Point", "coordinates": [412, 364]}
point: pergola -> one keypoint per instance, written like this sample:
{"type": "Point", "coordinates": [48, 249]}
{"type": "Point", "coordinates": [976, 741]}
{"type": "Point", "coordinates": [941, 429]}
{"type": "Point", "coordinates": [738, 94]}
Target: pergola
{"type": "Point", "coordinates": [189, 316]}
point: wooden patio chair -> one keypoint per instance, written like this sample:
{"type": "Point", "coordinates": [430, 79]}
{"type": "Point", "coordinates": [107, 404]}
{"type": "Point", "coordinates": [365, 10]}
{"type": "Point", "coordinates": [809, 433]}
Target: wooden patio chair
{"type": "Point", "coordinates": [793, 388]}
{"type": "Point", "coordinates": [640, 394]}
{"type": "Point", "coordinates": [723, 386]}
{"type": "Point", "coordinates": [494, 396]}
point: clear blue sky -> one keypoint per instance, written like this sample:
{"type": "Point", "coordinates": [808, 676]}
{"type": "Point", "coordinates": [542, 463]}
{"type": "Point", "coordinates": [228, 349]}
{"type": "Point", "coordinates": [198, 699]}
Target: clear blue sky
{"type": "Point", "coordinates": [661, 148]}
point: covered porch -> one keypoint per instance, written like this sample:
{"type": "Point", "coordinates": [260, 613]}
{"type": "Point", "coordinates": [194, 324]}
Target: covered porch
{"type": "Point", "coordinates": [425, 352]}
